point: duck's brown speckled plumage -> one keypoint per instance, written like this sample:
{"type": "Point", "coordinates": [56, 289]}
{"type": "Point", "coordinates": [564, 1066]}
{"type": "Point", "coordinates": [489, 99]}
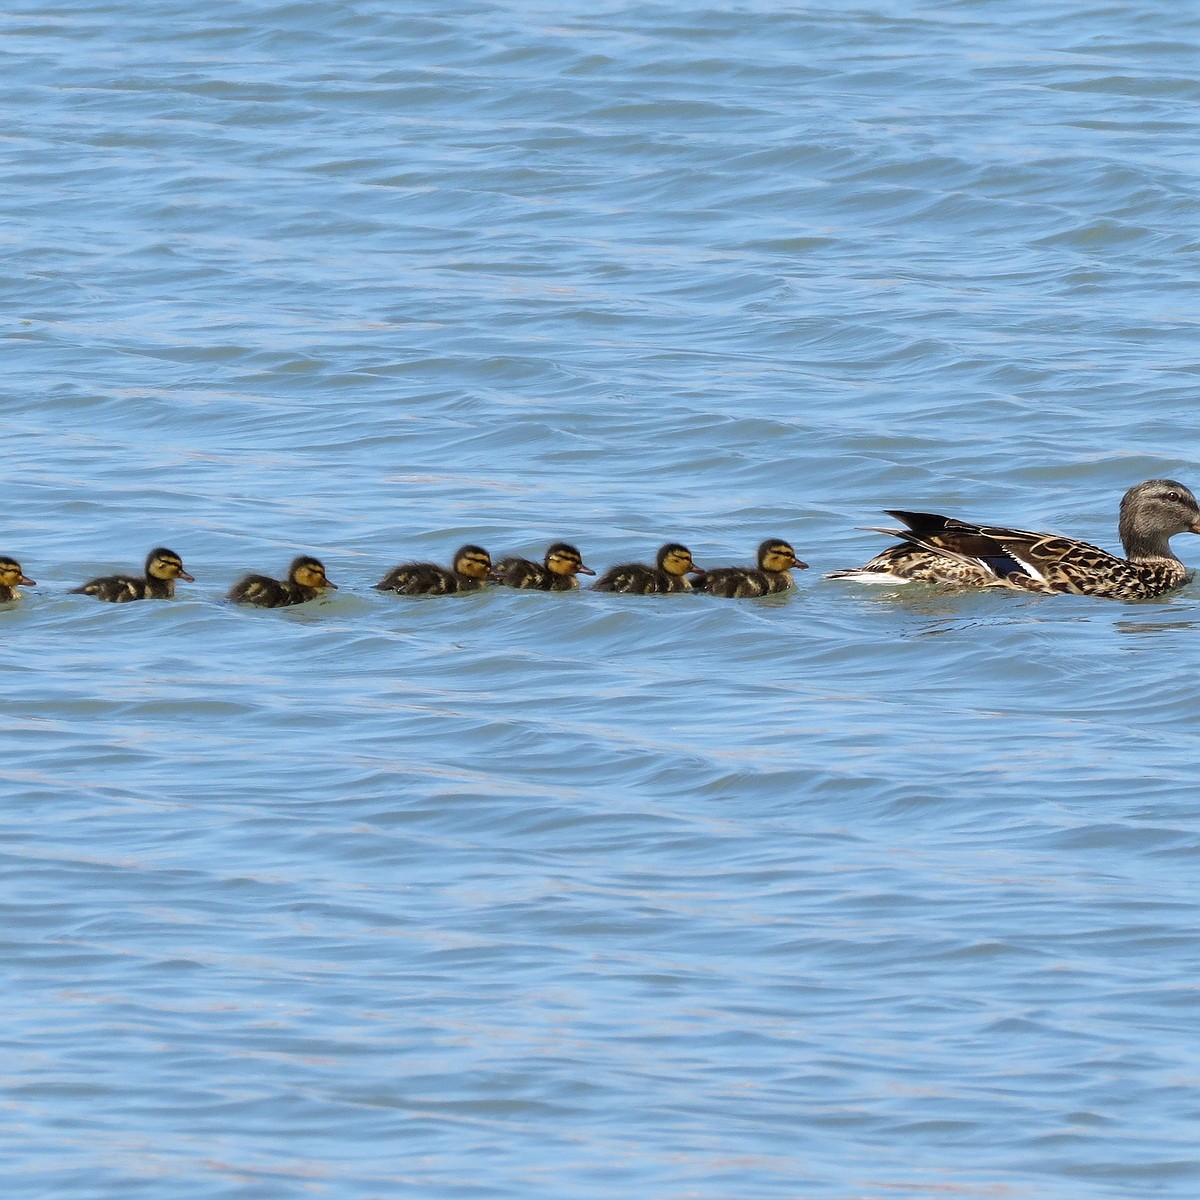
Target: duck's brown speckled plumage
{"type": "Point", "coordinates": [672, 566]}
{"type": "Point", "coordinates": [555, 573]}
{"type": "Point", "coordinates": [941, 550]}
{"type": "Point", "coordinates": [471, 570]}
{"type": "Point", "coordinates": [305, 581]}
{"type": "Point", "coordinates": [776, 561]}
{"type": "Point", "coordinates": [11, 577]}
{"type": "Point", "coordinates": [163, 568]}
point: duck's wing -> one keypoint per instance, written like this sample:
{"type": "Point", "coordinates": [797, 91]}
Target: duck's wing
{"type": "Point", "coordinates": [1063, 564]}
{"type": "Point", "coordinates": [943, 551]}
{"type": "Point", "coordinates": [1047, 562]}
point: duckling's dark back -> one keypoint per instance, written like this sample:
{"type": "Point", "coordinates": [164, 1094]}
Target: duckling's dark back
{"type": "Point", "coordinates": [419, 579]}
{"type": "Point", "coordinates": [116, 589]}
{"type": "Point", "coordinates": [524, 573]}
{"type": "Point", "coordinates": [557, 572]}
{"type": "Point", "coordinates": [163, 567]}
{"type": "Point", "coordinates": [633, 579]}
{"type": "Point", "coordinates": [641, 579]}
{"type": "Point", "coordinates": [471, 570]}
{"type": "Point", "coordinates": [264, 592]}
{"type": "Point", "coordinates": [743, 583]}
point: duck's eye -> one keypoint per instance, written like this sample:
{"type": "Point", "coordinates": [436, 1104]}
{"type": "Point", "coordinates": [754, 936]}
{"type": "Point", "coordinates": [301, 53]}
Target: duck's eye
{"type": "Point", "coordinates": [1175, 497]}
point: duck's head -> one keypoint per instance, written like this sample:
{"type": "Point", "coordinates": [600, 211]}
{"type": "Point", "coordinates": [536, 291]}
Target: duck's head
{"type": "Point", "coordinates": [11, 574]}
{"type": "Point", "coordinates": [676, 560]}
{"type": "Point", "coordinates": [563, 559]}
{"type": "Point", "coordinates": [310, 573]}
{"type": "Point", "coordinates": [1154, 512]}
{"type": "Point", "coordinates": [776, 555]}
{"type": "Point", "coordinates": [474, 562]}
{"type": "Point", "coordinates": [162, 563]}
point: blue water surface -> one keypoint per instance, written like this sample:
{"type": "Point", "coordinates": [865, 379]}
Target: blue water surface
{"type": "Point", "coordinates": [848, 894]}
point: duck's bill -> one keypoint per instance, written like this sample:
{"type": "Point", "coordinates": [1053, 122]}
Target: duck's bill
{"type": "Point", "coordinates": [27, 581]}
{"type": "Point", "coordinates": [799, 566]}
{"type": "Point", "coordinates": [186, 577]}
{"type": "Point", "coordinates": [586, 571]}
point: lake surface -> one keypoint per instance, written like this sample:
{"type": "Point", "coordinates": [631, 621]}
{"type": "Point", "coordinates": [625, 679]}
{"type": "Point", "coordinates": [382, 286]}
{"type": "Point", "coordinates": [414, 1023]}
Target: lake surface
{"type": "Point", "coordinates": [843, 894]}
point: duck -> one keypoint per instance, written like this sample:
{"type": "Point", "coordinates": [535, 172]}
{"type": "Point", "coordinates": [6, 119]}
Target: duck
{"type": "Point", "coordinates": [555, 573]}
{"type": "Point", "coordinates": [471, 569]}
{"type": "Point", "coordinates": [952, 553]}
{"type": "Point", "coordinates": [305, 581]}
{"type": "Point", "coordinates": [672, 566]}
{"type": "Point", "coordinates": [776, 562]}
{"type": "Point", "coordinates": [11, 576]}
{"type": "Point", "coordinates": [163, 568]}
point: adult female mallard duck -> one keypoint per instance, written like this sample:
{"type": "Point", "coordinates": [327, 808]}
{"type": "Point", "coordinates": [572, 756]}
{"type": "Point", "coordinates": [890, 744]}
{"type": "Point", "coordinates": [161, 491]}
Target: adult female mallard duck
{"type": "Point", "coordinates": [672, 566]}
{"type": "Point", "coordinates": [471, 569]}
{"type": "Point", "coordinates": [163, 567]}
{"type": "Point", "coordinates": [555, 573]}
{"type": "Point", "coordinates": [11, 576]}
{"type": "Point", "coordinates": [941, 550]}
{"type": "Point", "coordinates": [776, 562]}
{"type": "Point", "coordinates": [305, 581]}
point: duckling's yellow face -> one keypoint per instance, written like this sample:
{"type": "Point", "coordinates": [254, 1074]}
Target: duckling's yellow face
{"type": "Point", "coordinates": [779, 557]}
{"type": "Point", "coordinates": [474, 564]}
{"type": "Point", "coordinates": [679, 562]}
{"type": "Point", "coordinates": [312, 575]}
{"type": "Point", "coordinates": [566, 562]}
{"type": "Point", "coordinates": [11, 574]}
{"type": "Point", "coordinates": [168, 566]}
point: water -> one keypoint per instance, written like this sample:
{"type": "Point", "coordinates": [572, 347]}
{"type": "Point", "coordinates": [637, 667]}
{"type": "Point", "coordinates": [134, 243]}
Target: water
{"type": "Point", "coordinates": [845, 894]}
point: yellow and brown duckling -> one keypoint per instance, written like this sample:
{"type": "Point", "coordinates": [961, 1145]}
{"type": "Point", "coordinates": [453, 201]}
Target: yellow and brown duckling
{"type": "Point", "coordinates": [555, 573]}
{"type": "Point", "coordinates": [163, 567]}
{"type": "Point", "coordinates": [471, 569]}
{"type": "Point", "coordinates": [11, 577]}
{"type": "Point", "coordinates": [941, 550]}
{"type": "Point", "coordinates": [305, 581]}
{"type": "Point", "coordinates": [672, 566]}
{"type": "Point", "coordinates": [776, 562]}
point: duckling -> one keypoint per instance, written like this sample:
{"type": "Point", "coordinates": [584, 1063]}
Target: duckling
{"type": "Point", "coordinates": [951, 553]}
{"type": "Point", "coordinates": [471, 570]}
{"type": "Point", "coordinates": [670, 572]}
{"type": "Point", "coordinates": [10, 576]}
{"type": "Point", "coordinates": [163, 567]}
{"type": "Point", "coordinates": [556, 572]}
{"type": "Point", "coordinates": [306, 581]}
{"type": "Point", "coordinates": [776, 561]}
